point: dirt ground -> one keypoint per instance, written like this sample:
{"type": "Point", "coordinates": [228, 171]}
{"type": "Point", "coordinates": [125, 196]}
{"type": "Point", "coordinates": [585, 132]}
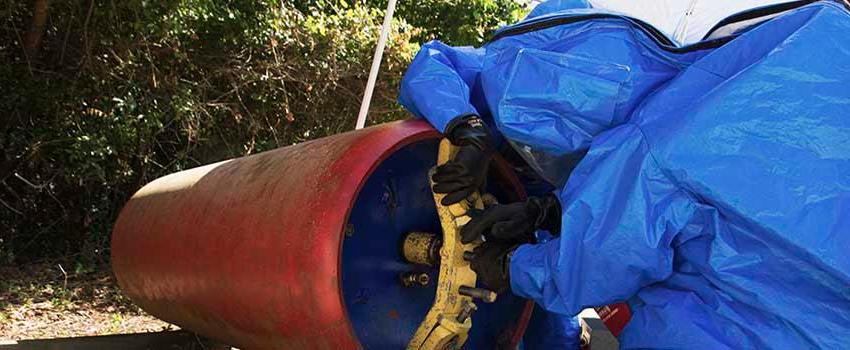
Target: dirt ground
{"type": "Point", "coordinates": [51, 300]}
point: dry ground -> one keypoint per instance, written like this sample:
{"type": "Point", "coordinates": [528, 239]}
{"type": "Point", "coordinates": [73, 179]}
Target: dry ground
{"type": "Point", "coordinates": [51, 300]}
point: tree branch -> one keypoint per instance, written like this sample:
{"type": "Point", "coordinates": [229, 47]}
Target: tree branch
{"type": "Point", "coordinates": [32, 41]}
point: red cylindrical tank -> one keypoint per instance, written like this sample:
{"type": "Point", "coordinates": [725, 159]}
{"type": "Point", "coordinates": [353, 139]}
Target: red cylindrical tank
{"type": "Point", "coordinates": [248, 251]}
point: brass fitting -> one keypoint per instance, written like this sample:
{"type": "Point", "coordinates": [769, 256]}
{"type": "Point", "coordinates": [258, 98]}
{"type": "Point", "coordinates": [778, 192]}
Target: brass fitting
{"type": "Point", "coordinates": [415, 279]}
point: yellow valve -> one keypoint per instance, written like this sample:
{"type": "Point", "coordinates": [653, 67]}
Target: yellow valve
{"type": "Point", "coordinates": [447, 324]}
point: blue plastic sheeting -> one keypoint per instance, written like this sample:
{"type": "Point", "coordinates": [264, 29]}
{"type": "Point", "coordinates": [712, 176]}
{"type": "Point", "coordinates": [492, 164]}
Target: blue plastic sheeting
{"type": "Point", "coordinates": [557, 5]}
{"type": "Point", "coordinates": [552, 331]}
{"type": "Point", "coordinates": [714, 195]}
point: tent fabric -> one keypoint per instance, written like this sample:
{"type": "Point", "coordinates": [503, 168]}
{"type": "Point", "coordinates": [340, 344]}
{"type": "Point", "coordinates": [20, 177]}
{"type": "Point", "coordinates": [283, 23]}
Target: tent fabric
{"type": "Point", "coordinates": [683, 21]}
{"type": "Point", "coordinates": [713, 195]}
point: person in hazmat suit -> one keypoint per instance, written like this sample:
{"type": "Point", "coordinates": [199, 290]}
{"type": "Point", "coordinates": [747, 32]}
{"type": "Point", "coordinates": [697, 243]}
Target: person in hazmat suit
{"type": "Point", "coordinates": [702, 176]}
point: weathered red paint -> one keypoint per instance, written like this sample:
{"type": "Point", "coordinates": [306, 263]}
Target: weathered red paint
{"type": "Point", "coordinates": [247, 251]}
{"type": "Point", "coordinates": [615, 317]}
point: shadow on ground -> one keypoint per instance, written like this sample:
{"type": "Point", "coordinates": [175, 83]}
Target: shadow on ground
{"type": "Point", "coordinates": [176, 340]}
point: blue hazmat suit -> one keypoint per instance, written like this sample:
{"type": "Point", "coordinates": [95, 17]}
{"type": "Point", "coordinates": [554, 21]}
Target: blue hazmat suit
{"type": "Point", "coordinates": [713, 195]}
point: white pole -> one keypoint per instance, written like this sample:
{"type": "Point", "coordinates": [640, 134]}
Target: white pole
{"type": "Point", "coordinates": [376, 65]}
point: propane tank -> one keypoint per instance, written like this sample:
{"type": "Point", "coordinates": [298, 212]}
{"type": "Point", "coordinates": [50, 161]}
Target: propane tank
{"type": "Point", "coordinates": [303, 247]}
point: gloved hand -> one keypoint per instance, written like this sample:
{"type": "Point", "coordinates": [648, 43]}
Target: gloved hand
{"type": "Point", "coordinates": [515, 222]}
{"type": "Point", "coordinates": [466, 173]}
{"type": "Point", "coordinates": [490, 262]}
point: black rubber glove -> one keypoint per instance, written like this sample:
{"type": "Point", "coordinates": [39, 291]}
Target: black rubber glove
{"type": "Point", "coordinates": [491, 262]}
{"type": "Point", "coordinates": [515, 222]}
{"type": "Point", "coordinates": [466, 173]}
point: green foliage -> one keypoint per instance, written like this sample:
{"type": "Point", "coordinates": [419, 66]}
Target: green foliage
{"type": "Point", "coordinates": [458, 22]}
{"type": "Point", "coordinates": [122, 92]}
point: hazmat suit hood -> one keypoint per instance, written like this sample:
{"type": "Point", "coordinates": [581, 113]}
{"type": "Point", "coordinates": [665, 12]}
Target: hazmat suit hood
{"type": "Point", "coordinates": [712, 192]}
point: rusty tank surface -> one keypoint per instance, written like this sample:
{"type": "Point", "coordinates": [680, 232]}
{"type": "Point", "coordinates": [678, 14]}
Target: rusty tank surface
{"type": "Point", "coordinates": [300, 247]}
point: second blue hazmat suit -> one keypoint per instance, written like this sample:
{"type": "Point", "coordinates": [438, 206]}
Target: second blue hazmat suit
{"type": "Point", "coordinates": [714, 196]}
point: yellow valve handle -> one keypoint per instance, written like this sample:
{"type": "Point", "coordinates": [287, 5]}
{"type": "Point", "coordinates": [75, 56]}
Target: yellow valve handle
{"type": "Point", "coordinates": [447, 324]}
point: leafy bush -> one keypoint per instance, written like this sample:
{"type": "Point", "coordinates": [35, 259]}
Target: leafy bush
{"type": "Point", "coordinates": [118, 93]}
